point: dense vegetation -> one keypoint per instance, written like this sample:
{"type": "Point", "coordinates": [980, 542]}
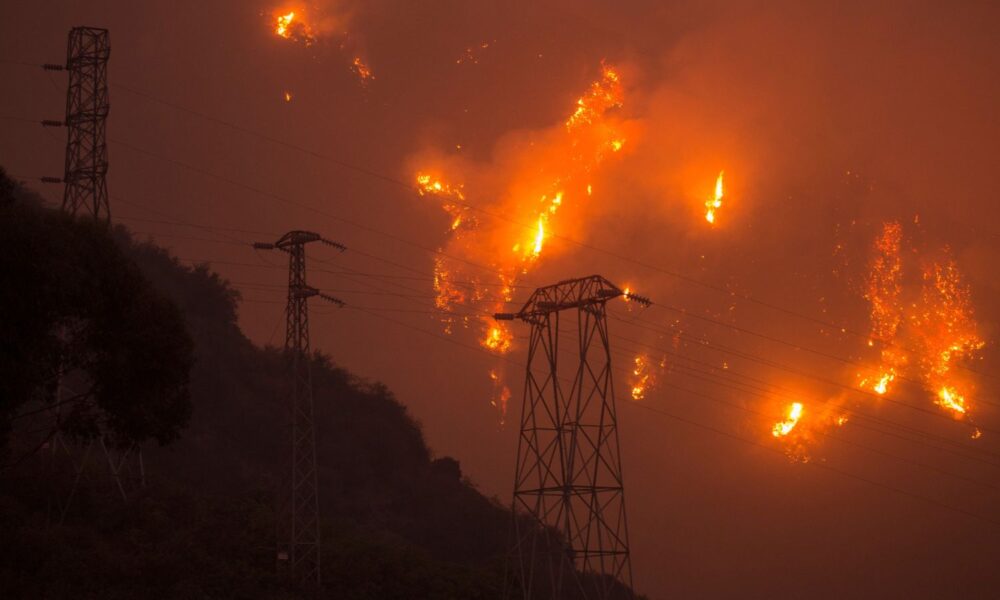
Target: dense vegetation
{"type": "Point", "coordinates": [398, 523]}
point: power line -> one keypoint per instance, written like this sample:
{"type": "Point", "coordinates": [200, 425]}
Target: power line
{"type": "Point", "coordinates": [693, 423]}
{"type": "Point", "coordinates": [823, 466]}
{"type": "Point", "coordinates": [806, 374]}
{"type": "Point", "coordinates": [766, 393]}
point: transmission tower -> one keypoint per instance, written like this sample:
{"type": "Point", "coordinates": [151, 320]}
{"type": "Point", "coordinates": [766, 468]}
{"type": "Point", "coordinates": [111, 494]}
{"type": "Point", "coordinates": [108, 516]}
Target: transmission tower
{"type": "Point", "coordinates": [86, 191]}
{"type": "Point", "coordinates": [568, 476]}
{"type": "Point", "coordinates": [298, 551]}
{"type": "Point", "coordinates": [87, 109]}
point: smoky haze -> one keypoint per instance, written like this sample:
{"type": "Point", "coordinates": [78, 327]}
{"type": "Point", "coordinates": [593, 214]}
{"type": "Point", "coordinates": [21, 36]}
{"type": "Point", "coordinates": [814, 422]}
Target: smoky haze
{"type": "Point", "coordinates": [828, 120]}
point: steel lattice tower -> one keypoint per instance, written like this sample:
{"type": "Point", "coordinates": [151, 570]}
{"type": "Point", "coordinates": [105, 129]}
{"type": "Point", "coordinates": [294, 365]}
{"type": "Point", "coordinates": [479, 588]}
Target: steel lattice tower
{"type": "Point", "coordinates": [568, 476]}
{"type": "Point", "coordinates": [86, 166]}
{"type": "Point", "coordinates": [298, 536]}
{"type": "Point", "coordinates": [87, 107]}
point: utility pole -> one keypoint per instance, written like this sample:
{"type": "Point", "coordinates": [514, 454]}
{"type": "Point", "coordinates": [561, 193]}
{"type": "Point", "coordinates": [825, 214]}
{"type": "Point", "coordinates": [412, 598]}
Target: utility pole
{"type": "Point", "coordinates": [298, 537]}
{"type": "Point", "coordinates": [87, 107]}
{"type": "Point", "coordinates": [568, 475]}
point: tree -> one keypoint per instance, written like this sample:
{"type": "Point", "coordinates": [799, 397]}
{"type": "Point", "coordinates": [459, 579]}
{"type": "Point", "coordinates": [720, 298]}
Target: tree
{"type": "Point", "coordinates": [76, 312]}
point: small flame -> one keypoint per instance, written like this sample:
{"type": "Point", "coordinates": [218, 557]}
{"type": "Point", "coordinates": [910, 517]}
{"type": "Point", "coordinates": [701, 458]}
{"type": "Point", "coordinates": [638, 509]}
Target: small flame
{"type": "Point", "coordinates": [362, 70]}
{"type": "Point", "coordinates": [783, 428]}
{"type": "Point", "coordinates": [603, 95]}
{"type": "Point", "coordinates": [288, 96]}
{"type": "Point", "coordinates": [712, 205]}
{"type": "Point", "coordinates": [501, 395]}
{"type": "Point", "coordinates": [539, 236]}
{"type": "Point", "coordinates": [498, 339]}
{"type": "Point", "coordinates": [882, 386]}
{"type": "Point", "coordinates": [643, 377]}
{"type": "Point", "coordinates": [949, 398]}
{"type": "Point", "coordinates": [292, 26]}
{"type": "Point", "coordinates": [283, 24]}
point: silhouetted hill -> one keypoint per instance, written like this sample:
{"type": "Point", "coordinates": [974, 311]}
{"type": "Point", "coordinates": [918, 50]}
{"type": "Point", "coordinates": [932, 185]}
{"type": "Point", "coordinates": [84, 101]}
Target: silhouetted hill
{"type": "Point", "coordinates": [397, 522]}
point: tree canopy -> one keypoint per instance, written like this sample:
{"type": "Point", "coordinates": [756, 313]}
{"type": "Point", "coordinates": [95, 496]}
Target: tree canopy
{"type": "Point", "coordinates": [78, 314]}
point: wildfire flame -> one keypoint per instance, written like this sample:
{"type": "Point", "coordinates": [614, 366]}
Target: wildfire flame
{"type": "Point", "coordinates": [362, 70]}
{"type": "Point", "coordinates": [640, 377]}
{"type": "Point", "coordinates": [783, 428]}
{"type": "Point", "coordinates": [947, 332]}
{"type": "Point", "coordinates": [498, 338]}
{"type": "Point", "coordinates": [884, 292]}
{"type": "Point", "coordinates": [603, 95]}
{"type": "Point", "coordinates": [501, 395]}
{"type": "Point", "coordinates": [284, 22]}
{"type": "Point", "coordinates": [716, 203]}
{"type": "Point", "coordinates": [883, 383]}
{"type": "Point", "coordinates": [643, 377]}
{"type": "Point", "coordinates": [920, 336]}
{"type": "Point", "coordinates": [951, 399]}
{"type": "Point", "coordinates": [324, 20]}
{"type": "Point", "coordinates": [566, 160]}
{"type": "Point", "coordinates": [292, 26]}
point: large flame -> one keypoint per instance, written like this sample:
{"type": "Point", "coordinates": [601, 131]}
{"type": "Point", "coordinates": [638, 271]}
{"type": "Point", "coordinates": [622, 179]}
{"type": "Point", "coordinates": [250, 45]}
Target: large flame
{"type": "Point", "coordinates": [534, 188]}
{"type": "Point", "coordinates": [919, 335]}
{"type": "Point", "coordinates": [946, 332]}
{"type": "Point", "coordinates": [883, 290]}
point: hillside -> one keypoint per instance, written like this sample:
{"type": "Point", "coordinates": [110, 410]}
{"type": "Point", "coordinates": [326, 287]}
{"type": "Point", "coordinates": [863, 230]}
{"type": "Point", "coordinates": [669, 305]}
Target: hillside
{"type": "Point", "coordinates": [397, 522]}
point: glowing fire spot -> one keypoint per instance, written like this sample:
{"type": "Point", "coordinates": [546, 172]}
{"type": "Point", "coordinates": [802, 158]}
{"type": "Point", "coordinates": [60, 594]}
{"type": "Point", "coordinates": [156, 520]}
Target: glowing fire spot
{"type": "Point", "coordinates": [713, 205]}
{"type": "Point", "coordinates": [291, 26]}
{"type": "Point", "coordinates": [362, 70]}
{"type": "Point", "coordinates": [881, 386]}
{"type": "Point", "coordinates": [643, 377]}
{"type": "Point", "coordinates": [976, 434]}
{"type": "Point", "coordinates": [498, 339]}
{"type": "Point", "coordinates": [427, 184]}
{"type": "Point", "coordinates": [283, 25]}
{"type": "Point", "coordinates": [501, 395]}
{"type": "Point", "coordinates": [783, 428]}
{"type": "Point", "coordinates": [288, 96]}
{"type": "Point", "coordinates": [883, 383]}
{"type": "Point", "coordinates": [604, 94]}
{"type": "Point", "coordinates": [640, 377]}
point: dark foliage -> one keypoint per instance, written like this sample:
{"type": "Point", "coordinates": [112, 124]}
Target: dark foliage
{"type": "Point", "coordinates": [72, 300]}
